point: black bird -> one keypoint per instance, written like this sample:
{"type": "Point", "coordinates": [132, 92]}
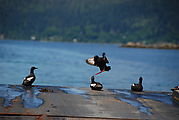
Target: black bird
{"type": "Point", "coordinates": [101, 62]}
{"type": "Point", "coordinates": [30, 78]}
{"type": "Point", "coordinates": [95, 85]}
{"type": "Point", "coordinates": [137, 87]}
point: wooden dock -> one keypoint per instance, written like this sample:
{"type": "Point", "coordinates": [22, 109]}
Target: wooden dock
{"type": "Point", "coordinates": [64, 103]}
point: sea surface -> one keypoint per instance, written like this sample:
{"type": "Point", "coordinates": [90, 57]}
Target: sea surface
{"type": "Point", "coordinates": [63, 64]}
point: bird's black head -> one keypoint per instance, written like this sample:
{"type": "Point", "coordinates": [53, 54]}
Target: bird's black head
{"type": "Point", "coordinates": [140, 80]}
{"type": "Point", "coordinates": [32, 69]}
{"type": "Point", "coordinates": [92, 79]}
{"type": "Point", "coordinates": [103, 54]}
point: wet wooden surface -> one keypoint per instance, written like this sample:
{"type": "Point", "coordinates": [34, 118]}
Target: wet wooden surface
{"type": "Point", "coordinates": [53, 103]}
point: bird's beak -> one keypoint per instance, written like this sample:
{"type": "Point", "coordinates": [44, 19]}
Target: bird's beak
{"type": "Point", "coordinates": [36, 68]}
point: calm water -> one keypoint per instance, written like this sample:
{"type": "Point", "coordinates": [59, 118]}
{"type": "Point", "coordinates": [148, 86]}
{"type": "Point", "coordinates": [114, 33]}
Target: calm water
{"type": "Point", "coordinates": [63, 64]}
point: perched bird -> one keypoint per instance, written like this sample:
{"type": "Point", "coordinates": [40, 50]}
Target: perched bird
{"type": "Point", "coordinates": [175, 88]}
{"type": "Point", "coordinates": [95, 85]}
{"type": "Point", "coordinates": [137, 87]}
{"type": "Point", "coordinates": [30, 78]}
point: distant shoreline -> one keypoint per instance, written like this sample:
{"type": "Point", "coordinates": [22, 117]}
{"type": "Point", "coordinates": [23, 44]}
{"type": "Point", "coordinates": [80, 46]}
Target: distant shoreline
{"type": "Point", "coordinates": [127, 45]}
{"type": "Point", "coordinates": [155, 46]}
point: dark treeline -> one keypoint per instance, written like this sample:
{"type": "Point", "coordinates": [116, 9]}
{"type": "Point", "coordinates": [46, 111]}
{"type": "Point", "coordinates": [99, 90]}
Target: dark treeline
{"type": "Point", "coordinates": [117, 21]}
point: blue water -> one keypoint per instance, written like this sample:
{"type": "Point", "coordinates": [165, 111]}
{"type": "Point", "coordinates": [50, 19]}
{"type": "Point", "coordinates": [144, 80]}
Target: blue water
{"type": "Point", "coordinates": [63, 64]}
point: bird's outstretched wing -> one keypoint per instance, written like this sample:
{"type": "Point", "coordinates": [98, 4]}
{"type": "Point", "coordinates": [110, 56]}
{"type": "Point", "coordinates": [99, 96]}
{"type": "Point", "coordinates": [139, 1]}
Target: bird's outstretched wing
{"type": "Point", "coordinates": [90, 61]}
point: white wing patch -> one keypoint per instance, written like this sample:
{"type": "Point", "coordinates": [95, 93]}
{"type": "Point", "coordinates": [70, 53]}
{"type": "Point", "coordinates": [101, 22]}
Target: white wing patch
{"type": "Point", "coordinates": [93, 85]}
{"type": "Point", "coordinates": [91, 60]}
{"type": "Point", "coordinates": [30, 78]}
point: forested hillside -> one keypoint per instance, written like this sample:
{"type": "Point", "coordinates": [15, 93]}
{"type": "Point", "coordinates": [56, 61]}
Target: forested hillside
{"type": "Point", "coordinates": [109, 21]}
